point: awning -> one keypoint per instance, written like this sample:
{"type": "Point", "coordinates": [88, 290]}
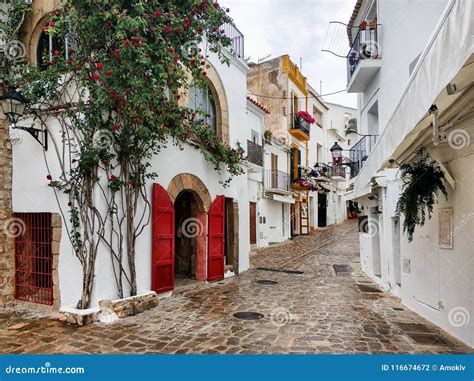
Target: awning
{"type": "Point", "coordinates": [449, 48]}
{"type": "Point", "coordinates": [284, 199]}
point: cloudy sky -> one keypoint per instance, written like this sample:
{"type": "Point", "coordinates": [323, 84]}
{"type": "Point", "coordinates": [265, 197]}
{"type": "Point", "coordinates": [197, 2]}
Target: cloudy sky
{"type": "Point", "coordinates": [297, 28]}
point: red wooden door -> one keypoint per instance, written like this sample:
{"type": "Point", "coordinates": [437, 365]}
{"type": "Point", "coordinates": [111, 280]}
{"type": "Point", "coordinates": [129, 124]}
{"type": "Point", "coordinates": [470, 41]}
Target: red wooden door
{"type": "Point", "coordinates": [162, 278]}
{"type": "Point", "coordinates": [253, 223]}
{"type": "Point", "coordinates": [216, 233]}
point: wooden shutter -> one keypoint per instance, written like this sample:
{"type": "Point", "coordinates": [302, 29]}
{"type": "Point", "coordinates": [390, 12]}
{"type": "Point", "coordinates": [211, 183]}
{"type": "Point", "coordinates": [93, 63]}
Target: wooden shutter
{"type": "Point", "coordinates": [216, 240]}
{"type": "Point", "coordinates": [163, 241]}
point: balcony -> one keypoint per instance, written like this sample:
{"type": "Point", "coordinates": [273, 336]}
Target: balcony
{"type": "Point", "coordinates": [324, 172]}
{"type": "Point", "coordinates": [338, 172]}
{"type": "Point", "coordinates": [364, 59]}
{"type": "Point", "coordinates": [299, 128]}
{"type": "Point", "coordinates": [237, 46]}
{"type": "Point", "coordinates": [359, 153]}
{"type": "Point", "coordinates": [254, 153]}
{"type": "Point", "coordinates": [277, 182]}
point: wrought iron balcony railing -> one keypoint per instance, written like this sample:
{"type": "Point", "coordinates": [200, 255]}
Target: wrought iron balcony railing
{"type": "Point", "coordinates": [359, 153]}
{"type": "Point", "coordinates": [277, 180]}
{"type": "Point", "coordinates": [325, 170]}
{"type": "Point", "coordinates": [254, 153]}
{"type": "Point", "coordinates": [366, 46]}
{"type": "Point", "coordinates": [338, 171]}
{"type": "Point", "coordinates": [237, 39]}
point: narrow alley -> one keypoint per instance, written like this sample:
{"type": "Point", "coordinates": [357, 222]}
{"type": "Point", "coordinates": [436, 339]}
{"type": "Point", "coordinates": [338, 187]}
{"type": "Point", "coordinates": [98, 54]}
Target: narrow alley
{"type": "Point", "coordinates": [309, 294]}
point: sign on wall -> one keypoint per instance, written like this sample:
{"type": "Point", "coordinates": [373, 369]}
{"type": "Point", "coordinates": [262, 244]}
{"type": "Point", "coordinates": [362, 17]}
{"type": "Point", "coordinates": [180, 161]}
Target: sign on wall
{"type": "Point", "coordinates": [445, 228]}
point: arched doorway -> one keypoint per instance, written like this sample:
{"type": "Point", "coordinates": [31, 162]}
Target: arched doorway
{"type": "Point", "coordinates": [189, 234]}
{"type": "Point", "coordinates": [188, 228]}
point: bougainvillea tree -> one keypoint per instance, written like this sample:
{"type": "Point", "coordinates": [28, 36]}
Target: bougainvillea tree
{"type": "Point", "coordinates": [113, 90]}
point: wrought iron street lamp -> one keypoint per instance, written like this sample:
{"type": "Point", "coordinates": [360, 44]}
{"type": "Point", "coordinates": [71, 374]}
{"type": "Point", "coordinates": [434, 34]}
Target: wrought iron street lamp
{"type": "Point", "coordinates": [336, 152]}
{"type": "Point", "coordinates": [14, 105]}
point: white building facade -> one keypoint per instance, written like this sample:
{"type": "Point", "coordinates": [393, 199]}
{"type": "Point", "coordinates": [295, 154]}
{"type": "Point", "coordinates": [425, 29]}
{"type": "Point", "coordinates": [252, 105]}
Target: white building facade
{"type": "Point", "coordinates": [414, 85]}
{"type": "Point", "coordinates": [269, 201]}
{"type": "Point", "coordinates": [199, 229]}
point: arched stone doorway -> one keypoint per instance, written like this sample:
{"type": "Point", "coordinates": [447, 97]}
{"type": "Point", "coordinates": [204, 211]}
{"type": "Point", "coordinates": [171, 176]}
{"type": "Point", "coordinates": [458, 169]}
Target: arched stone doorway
{"type": "Point", "coordinates": [192, 202]}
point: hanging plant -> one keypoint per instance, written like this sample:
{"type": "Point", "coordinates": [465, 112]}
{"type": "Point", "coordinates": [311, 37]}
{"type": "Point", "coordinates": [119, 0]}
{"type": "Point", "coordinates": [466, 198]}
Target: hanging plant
{"type": "Point", "coordinates": [267, 136]}
{"type": "Point", "coordinates": [422, 181]}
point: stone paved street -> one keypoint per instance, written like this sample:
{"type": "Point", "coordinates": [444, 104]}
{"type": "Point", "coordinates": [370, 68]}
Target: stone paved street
{"type": "Point", "coordinates": [313, 312]}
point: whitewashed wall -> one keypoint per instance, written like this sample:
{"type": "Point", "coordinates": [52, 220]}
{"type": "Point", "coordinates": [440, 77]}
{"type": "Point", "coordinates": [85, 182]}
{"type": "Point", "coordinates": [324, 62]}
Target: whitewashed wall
{"type": "Point", "coordinates": [32, 194]}
{"type": "Point", "coordinates": [435, 282]}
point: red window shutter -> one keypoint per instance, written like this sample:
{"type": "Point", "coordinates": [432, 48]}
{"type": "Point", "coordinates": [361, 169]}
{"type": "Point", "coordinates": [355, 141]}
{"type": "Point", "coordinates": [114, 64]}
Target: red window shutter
{"type": "Point", "coordinates": [162, 278]}
{"type": "Point", "coordinates": [216, 240]}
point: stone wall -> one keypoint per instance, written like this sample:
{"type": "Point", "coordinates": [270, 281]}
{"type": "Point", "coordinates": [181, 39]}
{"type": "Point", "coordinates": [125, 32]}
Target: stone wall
{"type": "Point", "coordinates": [6, 243]}
{"type": "Point", "coordinates": [56, 224]}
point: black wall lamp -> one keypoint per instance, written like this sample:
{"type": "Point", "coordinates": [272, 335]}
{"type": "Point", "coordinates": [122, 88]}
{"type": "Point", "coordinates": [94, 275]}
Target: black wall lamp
{"type": "Point", "coordinates": [14, 105]}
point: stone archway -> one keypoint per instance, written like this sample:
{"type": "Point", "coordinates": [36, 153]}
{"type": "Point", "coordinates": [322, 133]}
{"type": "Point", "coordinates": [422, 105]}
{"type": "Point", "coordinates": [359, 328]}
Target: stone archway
{"type": "Point", "coordinates": [193, 184]}
{"type": "Point", "coordinates": [186, 182]}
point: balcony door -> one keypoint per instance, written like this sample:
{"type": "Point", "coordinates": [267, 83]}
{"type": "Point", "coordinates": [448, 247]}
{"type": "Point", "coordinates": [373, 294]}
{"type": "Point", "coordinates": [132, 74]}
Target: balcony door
{"type": "Point", "coordinates": [274, 167]}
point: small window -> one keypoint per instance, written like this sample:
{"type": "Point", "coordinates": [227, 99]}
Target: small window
{"type": "Point", "coordinates": [295, 104]}
{"type": "Point", "coordinates": [47, 44]}
{"type": "Point", "coordinates": [318, 115]}
{"type": "Point", "coordinates": [202, 101]}
{"type": "Point", "coordinates": [255, 137]}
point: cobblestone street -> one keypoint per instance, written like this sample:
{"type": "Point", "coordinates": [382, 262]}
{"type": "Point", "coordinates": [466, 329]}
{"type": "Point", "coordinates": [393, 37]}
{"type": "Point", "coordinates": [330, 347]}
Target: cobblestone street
{"type": "Point", "coordinates": [315, 311]}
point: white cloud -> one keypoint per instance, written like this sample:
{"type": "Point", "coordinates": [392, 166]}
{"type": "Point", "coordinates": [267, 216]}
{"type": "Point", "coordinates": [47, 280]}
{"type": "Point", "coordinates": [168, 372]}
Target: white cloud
{"type": "Point", "coordinates": [297, 28]}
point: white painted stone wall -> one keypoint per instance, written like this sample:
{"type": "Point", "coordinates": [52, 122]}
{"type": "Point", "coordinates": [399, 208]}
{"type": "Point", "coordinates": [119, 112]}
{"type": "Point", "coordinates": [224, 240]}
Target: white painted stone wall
{"type": "Point", "coordinates": [434, 282]}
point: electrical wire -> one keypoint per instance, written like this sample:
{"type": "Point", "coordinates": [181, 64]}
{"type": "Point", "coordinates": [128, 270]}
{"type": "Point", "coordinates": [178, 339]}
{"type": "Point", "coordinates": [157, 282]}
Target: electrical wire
{"type": "Point", "coordinates": [308, 97]}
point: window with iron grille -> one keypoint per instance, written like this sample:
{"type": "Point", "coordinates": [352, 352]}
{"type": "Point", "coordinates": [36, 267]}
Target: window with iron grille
{"type": "Point", "coordinates": [34, 258]}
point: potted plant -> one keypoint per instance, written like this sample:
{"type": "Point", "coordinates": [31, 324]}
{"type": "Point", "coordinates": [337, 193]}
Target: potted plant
{"type": "Point", "coordinates": [303, 116]}
{"type": "Point", "coordinates": [303, 120]}
{"type": "Point", "coordinates": [422, 182]}
{"type": "Point", "coordinates": [267, 136]}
